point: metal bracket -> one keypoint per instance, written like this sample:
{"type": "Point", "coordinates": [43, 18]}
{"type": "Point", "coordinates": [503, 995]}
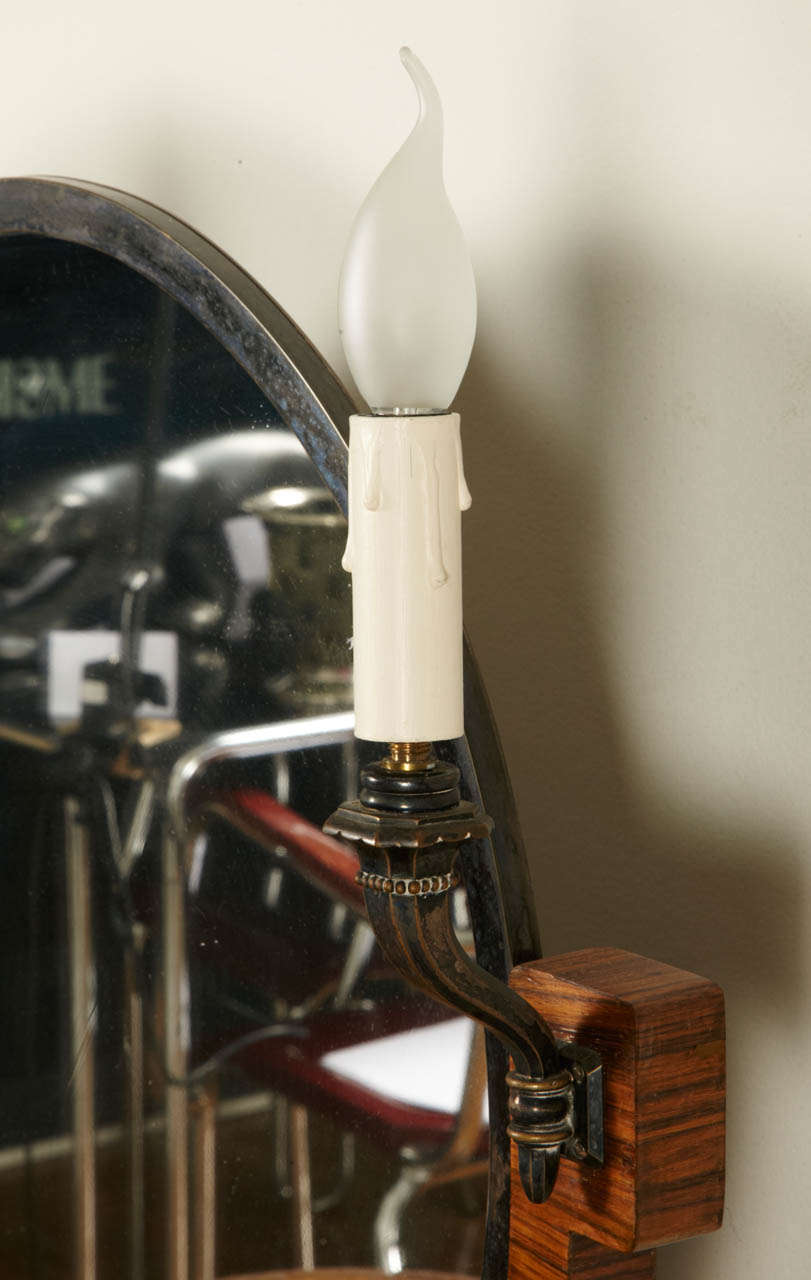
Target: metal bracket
{"type": "Point", "coordinates": [558, 1115]}
{"type": "Point", "coordinates": [587, 1143]}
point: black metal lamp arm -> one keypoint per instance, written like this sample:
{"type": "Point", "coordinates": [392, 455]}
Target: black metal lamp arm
{"type": "Point", "coordinates": [415, 929]}
{"type": "Point", "coordinates": [408, 826]}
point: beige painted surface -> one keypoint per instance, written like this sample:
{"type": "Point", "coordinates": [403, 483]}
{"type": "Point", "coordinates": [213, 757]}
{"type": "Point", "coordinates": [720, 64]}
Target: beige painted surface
{"type": "Point", "coordinates": [636, 186]}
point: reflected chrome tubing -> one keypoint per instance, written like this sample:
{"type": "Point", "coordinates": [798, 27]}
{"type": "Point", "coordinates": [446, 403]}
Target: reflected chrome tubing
{"type": "Point", "coordinates": [233, 744]}
{"type": "Point", "coordinates": [247, 744]}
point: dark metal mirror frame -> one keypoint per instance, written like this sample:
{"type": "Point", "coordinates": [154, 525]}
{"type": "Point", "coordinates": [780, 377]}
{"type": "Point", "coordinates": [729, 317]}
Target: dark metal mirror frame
{"type": "Point", "coordinates": [313, 404]}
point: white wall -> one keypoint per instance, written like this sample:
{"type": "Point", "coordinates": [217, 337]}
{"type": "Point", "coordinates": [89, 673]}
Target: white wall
{"type": "Point", "coordinates": [635, 183]}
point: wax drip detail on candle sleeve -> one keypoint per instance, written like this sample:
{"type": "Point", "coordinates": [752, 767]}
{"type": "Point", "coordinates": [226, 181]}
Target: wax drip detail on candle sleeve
{"type": "Point", "coordinates": [432, 524]}
{"type": "Point", "coordinates": [465, 499]}
{"type": "Point", "coordinates": [348, 556]}
{"type": "Point", "coordinates": [371, 472]}
{"type": "Point", "coordinates": [372, 490]}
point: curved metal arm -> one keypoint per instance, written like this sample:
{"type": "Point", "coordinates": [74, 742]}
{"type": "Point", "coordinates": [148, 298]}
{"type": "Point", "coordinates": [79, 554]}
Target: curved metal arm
{"type": "Point", "coordinates": [408, 896]}
{"type": "Point", "coordinates": [408, 827]}
{"type": "Point", "coordinates": [415, 930]}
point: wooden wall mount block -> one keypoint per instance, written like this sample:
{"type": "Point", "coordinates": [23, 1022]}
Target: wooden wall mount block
{"type": "Point", "coordinates": [660, 1032]}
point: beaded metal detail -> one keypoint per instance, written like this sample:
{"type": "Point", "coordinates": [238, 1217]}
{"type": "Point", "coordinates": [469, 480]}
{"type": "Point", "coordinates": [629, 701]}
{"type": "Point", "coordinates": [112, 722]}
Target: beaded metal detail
{"type": "Point", "coordinates": [405, 887]}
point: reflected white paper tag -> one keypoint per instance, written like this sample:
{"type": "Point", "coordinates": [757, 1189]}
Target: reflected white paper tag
{"type": "Point", "coordinates": [423, 1067]}
{"type": "Point", "coordinates": [69, 652]}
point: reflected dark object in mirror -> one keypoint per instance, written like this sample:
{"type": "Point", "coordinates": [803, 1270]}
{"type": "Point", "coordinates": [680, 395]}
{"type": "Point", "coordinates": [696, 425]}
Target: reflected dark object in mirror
{"type": "Point", "coordinates": [307, 535]}
{"type": "Point", "coordinates": [130, 438]}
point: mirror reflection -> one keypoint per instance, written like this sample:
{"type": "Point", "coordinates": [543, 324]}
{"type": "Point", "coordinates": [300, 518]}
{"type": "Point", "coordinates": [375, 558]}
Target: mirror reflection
{"type": "Point", "coordinates": [207, 1057]}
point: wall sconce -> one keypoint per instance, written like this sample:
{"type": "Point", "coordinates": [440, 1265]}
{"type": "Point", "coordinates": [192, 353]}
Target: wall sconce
{"type": "Point", "coordinates": [618, 1060]}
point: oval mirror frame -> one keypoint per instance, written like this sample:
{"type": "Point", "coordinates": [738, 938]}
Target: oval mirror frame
{"type": "Point", "coordinates": [312, 402]}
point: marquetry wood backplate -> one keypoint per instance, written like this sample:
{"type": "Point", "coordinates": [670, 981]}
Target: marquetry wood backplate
{"type": "Point", "coordinates": [660, 1032]}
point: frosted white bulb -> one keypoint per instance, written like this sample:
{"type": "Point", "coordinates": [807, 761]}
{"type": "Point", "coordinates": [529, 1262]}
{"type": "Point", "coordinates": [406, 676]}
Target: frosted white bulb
{"type": "Point", "coordinates": [407, 296]}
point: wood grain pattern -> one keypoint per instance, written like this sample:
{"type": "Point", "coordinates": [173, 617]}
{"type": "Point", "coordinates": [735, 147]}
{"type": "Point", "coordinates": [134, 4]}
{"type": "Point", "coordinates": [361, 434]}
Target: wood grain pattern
{"type": "Point", "coordinates": [590, 1261]}
{"type": "Point", "coordinates": [549, 1251]}
{"type": "Point", "coordinates": [660, 1032]}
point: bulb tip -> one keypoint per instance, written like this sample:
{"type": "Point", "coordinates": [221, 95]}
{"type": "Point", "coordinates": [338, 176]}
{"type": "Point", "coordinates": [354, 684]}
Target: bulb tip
{"type": "Point", "coordinates": [430, 104]}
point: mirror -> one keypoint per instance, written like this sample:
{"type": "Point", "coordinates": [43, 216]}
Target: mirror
{"type": "Point", "coordinates": [207, 1057]}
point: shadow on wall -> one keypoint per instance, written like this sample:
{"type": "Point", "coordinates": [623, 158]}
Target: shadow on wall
{"type": "Point", "coordinates": [613, 863]}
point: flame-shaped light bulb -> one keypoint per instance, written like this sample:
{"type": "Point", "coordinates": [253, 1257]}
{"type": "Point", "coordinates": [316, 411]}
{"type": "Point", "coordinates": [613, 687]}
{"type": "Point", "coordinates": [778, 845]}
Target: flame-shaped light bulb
{"type": "Point", "coordinates": [407, 296]}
